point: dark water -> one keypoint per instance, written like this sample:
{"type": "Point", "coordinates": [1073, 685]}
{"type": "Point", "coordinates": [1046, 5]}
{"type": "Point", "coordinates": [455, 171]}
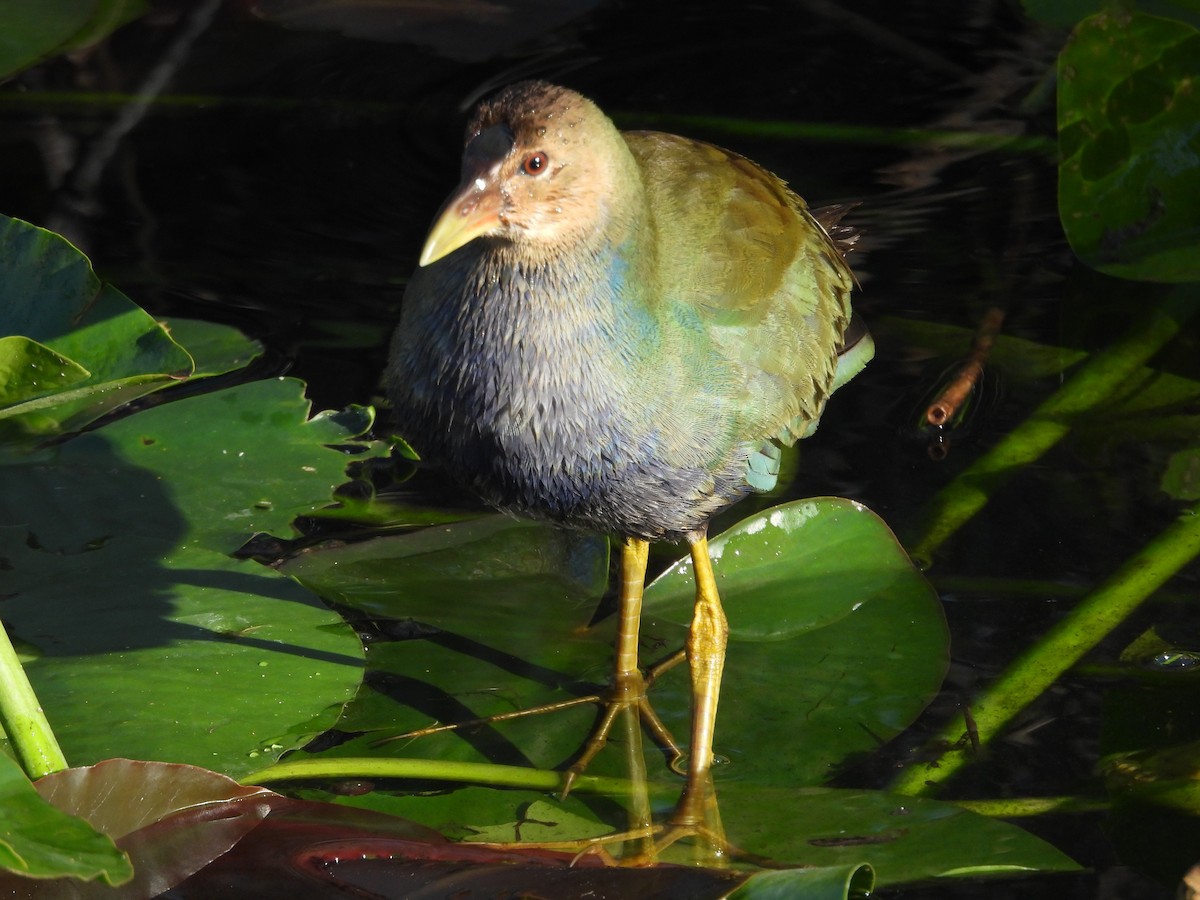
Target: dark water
{"type": "Point", "coordinates": [285, 184]}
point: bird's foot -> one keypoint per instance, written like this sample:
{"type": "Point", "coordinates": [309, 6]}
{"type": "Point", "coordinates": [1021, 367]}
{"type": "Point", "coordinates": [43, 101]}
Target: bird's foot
{"type": "Point", "coordinates": [696, 815]}
{"type": "Point", "coordinates": [614, 700]}
{"type": "Point", "coordinates": [628, 691]}
{"type": "Point", "coordinates": [710, 849]}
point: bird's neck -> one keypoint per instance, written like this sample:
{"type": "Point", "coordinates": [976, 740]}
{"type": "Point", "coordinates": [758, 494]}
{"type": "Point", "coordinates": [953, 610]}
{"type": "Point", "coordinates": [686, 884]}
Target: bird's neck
{"type": "Point", "coordinates": [557, 298]}
{"type": "Point", "coordinates": [599, 275]}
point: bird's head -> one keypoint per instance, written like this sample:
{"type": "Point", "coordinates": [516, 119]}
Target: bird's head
{"type": "Point", "coordinates": [540, 170]}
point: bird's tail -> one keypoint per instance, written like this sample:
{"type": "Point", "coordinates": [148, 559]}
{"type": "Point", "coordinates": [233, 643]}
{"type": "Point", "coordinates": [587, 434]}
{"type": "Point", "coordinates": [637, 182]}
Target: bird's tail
{"type": "Point", "coordinates": [844, 237]}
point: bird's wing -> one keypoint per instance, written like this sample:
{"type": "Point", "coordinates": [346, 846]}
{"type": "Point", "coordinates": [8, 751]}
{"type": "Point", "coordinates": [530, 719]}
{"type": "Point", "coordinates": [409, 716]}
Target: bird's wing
{"type": "Point", "coordinates": [731, 229]}
{"type": "Point", "coordinates": [740, 248]}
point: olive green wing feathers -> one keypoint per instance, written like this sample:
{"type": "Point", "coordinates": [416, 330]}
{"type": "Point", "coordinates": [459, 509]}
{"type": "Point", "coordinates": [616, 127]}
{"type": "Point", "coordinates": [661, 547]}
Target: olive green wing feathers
{"type": "Point", "coordinates": [740, 248]}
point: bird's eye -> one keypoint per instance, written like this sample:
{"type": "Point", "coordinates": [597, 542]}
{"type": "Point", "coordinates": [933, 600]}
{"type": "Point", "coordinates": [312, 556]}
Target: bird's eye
{"type": "Point", "coordinates": [535, 163]}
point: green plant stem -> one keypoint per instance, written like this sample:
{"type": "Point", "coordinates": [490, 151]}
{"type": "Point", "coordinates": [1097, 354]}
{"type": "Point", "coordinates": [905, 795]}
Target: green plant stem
{"type": "Point", "coordinates": [1097, 379]}
{"type": "Point", "coordinates": [1063, 646]}
{"type": "Point", "coordinates": [432, 769]}
{"type": "Point", "coordinates": [22, 717]}
{"type": "Point", "coordinates": [1022, 807]}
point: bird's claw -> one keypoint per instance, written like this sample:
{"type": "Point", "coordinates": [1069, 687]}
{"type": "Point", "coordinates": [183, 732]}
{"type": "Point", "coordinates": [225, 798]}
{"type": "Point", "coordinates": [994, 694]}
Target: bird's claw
{"type": "Point", "coordinates": [627, 692]}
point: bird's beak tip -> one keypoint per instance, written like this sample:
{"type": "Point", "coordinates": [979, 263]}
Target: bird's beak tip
{"type": "Point", "coordinates": [461, 221]}
{"type": "Point", "coordinates": [429, 254]}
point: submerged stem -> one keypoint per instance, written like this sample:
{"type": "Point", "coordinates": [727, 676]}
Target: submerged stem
{"type": "Point", "coordinates": [951, 399]}
{"type": "Point", "coordinates": [1064, 645]}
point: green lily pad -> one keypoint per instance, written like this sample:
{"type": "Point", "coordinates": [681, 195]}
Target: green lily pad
{"type": "Point", "coordinates": [39, 840]}
{"type": "Point", "coordinates": [774, 594]}
{"type": "Point", "coordinates": [33, 30]}
{"type": "Point", "coordinates": [511, 600]}
{"type": "Point", "coordinates": [817, 883]}
{"type": "Point", "coordinates": [29, 370]}
{"type": "Point", "coordinates": [837, 644]}
{"type": "Point", "coordinates": [216, 349]}
{"type": "Point", "coordinates": [506, 588]}
{"type": "Point", "coordinates": [469, 577]}
{"type": "Point", "coordinates": [813, 688]}
{"type": "Point", "coordinates": [1129, 141]}
{"type": "Point", "coordinates": [152, 641]}
{"type": "Point", "coordinates": [72, 350]}
{"type": "Point", "coordinates": [903, 839]}
{"type": "Point", "coordinates": [50, 295]}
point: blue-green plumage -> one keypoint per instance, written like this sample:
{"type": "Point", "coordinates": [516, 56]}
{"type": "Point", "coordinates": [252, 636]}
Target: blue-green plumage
{"type": "Point", "coordinates": [617, 332]}
{"type": "Point", "coordinates": [528, 404]}
{"type": "Point", "coordinates": [619, 339]}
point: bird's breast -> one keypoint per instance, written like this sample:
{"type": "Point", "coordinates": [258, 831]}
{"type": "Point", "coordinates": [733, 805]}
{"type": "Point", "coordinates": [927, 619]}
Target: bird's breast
{"type": "Point", "coordinates": [536, 394]}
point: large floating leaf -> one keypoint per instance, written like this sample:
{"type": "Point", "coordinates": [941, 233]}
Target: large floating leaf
{"type": "Point", "coordinates": [31, 30]}
{"type": "Point", "coordinates": [513, 599]}
{"type": "Point", "coordinates": [813, 687]}
{"type": "Point", "coordinates": [153, 642]}
{"type": "Point", "coordinates": [848, 557]}
{"type": "Point", "coordinates": [40, 840]}
{"type": "Point", "coordinates": [72, 349]}
{"type": "Point", "coordinates": [837, 644]}
{"type": "Point", "coordinates": [1129, 138]}
{"type": "Point", "coordinates": [308, 849]}
{"type": "Point", "coordinates": [902, 838]}
{"type": "Point", "coordinates": [826, 612]}
{"type": "Point", "coordinates": [49, 294]}
{"type": "Point", "coordinates": [29, 370]}
{"type": "Point", "coordinates": [216, 349]}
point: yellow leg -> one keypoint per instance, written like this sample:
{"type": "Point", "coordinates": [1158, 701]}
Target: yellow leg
{"type": "Point", "coordinates": [706, 644]}
{"type": "Point", "coordinates": [629, 684]}
{"type": "Point", "coordinates": [634, 554]}
{"type": "Point", "coordinates": [696, 813]}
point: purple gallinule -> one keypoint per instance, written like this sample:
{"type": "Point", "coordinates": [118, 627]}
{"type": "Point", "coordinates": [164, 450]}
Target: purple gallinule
{"type": "Point", "coordinates": [618, 331]}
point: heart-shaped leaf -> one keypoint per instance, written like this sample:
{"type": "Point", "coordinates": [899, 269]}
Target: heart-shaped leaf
{"type": "Point", "coordinates": [152, 641]}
